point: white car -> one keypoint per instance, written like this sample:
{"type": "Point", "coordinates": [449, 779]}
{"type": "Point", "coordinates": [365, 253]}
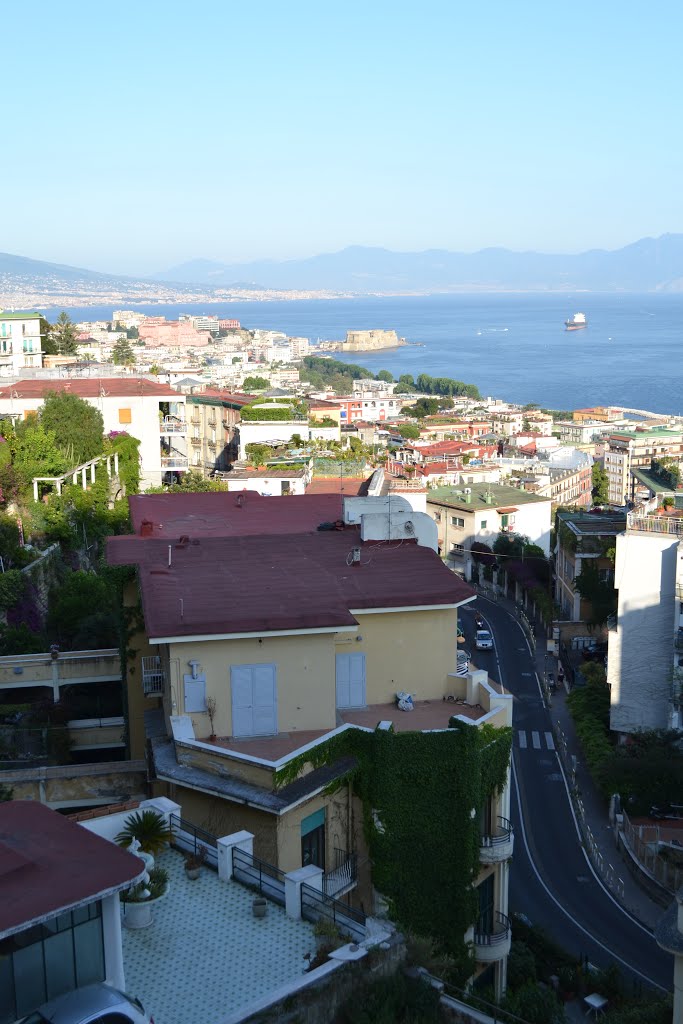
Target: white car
{"type": "Point", "coordinates": [463, 665]}
{"type": "Point", "coordinates": [483, 640]}
{"type": "Point", "coordinates": [94, 1004]}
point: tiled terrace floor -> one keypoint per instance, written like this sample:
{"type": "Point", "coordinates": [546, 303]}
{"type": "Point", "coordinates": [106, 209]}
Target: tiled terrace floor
{"type": "Point", "coordinates": [427, 714]}
{"type": "Point", "coordinates": [205, 955]}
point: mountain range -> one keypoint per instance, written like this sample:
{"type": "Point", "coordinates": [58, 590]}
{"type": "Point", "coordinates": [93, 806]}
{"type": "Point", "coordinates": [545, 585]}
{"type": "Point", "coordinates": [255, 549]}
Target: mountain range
{"type": "Point", "coordinates": [646, 265]}
{"type": "Point", "coordinates": [650, 264]}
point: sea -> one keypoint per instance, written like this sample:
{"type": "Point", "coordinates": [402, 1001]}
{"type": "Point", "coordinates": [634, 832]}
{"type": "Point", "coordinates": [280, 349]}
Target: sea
{"type": "Point", "coordinates": [512, 347]}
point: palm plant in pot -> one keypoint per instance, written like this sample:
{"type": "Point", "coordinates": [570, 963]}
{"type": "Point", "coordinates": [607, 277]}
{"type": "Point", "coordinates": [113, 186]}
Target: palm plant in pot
{"type": "Point", "coordinates": [149, 828]}
{"type": "Point", "coordinates": [139, 899]}
{"type": "Point", "coordinates": [194, 861]}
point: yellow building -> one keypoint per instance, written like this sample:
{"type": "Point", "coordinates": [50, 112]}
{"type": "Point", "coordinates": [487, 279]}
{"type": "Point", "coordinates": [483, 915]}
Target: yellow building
{"type": "Point", "coordinates": [277, 633]}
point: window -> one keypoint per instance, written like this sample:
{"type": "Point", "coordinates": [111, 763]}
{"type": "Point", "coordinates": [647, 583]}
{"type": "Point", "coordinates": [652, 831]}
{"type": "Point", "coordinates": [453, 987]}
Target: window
{"type": "Point", "coordinates": [313, 839]}
{"type": "Point", "coordinates": [437, 517]}
{"type": "Point", "coordinates": [483, 523]}
{"type": "Point", "coordinates": [125, 416]}
{"type": "Point", "coordinates": [457, 521]}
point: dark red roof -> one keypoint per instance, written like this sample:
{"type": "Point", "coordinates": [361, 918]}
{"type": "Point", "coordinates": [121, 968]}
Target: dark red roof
{"type": "Point", "coordinates": [229, 514]}
{"type": "Point", "coordinates": [90, 387]}
{"type": "Point", "coordinates": [263, 566]}
{"type": "Point", "coordinates": [48, 864]}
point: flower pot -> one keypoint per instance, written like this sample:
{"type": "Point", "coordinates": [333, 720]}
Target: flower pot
{"type": "Point", "coordinates": [137, 915]}
{"type": "Point", "coordinates": [259, 906]}
{"type": "Point", "coordinates": [193, 873]}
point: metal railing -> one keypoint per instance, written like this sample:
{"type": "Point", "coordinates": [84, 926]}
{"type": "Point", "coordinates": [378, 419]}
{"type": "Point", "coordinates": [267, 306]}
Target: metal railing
{"type": "Point", "coordinates": [257, 874]}
{"type": "Point", "coordinates": [655, 524]}
{"type": "Point", "coordinates": [316, 905]}
{"type": "Point", "coordinates": [188, 838]}
{"type": "Point", "coordinates": [344, 875]}
{"type": "Point", "coordinates": [501, 835]}
{"type": "Point", "coordinates": [172, 426]}
{"type": "Point", "coordinates": [495, 933]}
{"type": "Point", "coordinates": [173, 462]}
{"type": "Point", "coordinates": [153, 676]}
{"type": "Point", "coordinates": [645, 842]}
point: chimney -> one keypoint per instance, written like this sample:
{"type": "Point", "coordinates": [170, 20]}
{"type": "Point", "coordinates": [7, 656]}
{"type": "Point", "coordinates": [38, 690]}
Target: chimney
{"type": "Point", "coordinates": [146, 528]}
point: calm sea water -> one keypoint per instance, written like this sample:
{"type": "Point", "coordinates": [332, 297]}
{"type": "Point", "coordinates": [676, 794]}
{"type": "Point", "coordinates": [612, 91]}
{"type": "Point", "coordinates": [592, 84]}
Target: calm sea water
{"type": "Point", "coordinates": [511, 346]}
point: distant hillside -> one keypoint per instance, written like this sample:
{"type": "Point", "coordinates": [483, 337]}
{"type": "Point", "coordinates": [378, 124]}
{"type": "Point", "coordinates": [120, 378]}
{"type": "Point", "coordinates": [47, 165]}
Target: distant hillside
{"type": "Point", "coordinates": [651, 264]}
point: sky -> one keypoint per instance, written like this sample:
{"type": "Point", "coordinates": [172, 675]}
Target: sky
{"type": "Point", "coordinates": [138, 135]}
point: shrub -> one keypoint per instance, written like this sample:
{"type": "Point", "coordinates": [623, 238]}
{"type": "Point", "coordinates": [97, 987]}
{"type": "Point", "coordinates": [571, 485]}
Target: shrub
{"type": "Point", "coordinates": [149, 828]}
{"type": "Point", "coordinates": [535, 1004]}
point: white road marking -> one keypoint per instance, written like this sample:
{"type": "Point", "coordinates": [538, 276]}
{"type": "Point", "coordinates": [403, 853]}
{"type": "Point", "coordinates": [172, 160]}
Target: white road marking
{"type": "Point", "coordinates": [522, 739]}
{"type": "Point", "coordinates": [549, 740]}
{"type": "Point", "coordinates": [536, 740]}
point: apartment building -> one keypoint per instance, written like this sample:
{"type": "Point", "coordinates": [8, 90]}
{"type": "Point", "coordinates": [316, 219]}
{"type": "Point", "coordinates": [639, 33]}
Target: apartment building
{"type": "Point", "coordinates": [572, 486]}
{"type": "Point", "coordinates": [645, 643]}
{"type": "Point", "coordinates": [479, 513]}
{"type": "Point", "coordinates": [153, 413]}
{"type": "Point", "coordinates": [508, 423]}
{"type": "Point", "coordinates": [573, 433]}
{"type": "Point", "coordinates": [20, 342]}
{"type": "Point", "coordinates": [283, 628]}
{"type": "Point", "coordinates": [213, 428]}
{"type": "Point", "coordinates": [581, 536]}
{"type": "Point", "coordinates": [628, 450]}
{"type": "Point", "coordinates": [372, 406]}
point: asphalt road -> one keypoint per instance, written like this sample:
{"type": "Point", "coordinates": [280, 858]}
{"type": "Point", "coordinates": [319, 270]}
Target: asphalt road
{"type": "Point", "coordinates": [551, 880]}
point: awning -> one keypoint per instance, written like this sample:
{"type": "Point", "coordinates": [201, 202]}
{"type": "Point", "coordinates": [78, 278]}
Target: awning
{"type": "Point", "coordinates": [506, 511]}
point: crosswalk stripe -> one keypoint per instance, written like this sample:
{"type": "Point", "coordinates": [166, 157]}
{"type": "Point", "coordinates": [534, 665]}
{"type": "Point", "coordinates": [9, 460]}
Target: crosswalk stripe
{"type": "Point", "coordinates": [522, 739]}
{"type": "Point", "coordinates": [536, 740]}
{"type": "Point", "coordinates": [549, 741]}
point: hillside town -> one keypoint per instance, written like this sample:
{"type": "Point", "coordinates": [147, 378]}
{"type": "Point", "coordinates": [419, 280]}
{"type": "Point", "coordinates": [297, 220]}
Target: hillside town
{"type": "Point", "coordinates": [326, 665]}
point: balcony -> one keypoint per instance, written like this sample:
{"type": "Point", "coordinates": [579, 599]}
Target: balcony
{"type": "Point", "coordinates": [153, 676]}
{"type": "Point", "coordinates": [492, 939]}
{"type": "Point", "coordinates": [174, 462]}
{"type": "Point", "coordinates": [655, 524]}
{"type": "Point", "coordinates": [343, 878]}
{"type": "Point", "coordinates": [196, 441]}
{"type": "Point", "coordinates": [172, 425]}
{"type": "Point", "coordinates": [496, 847]}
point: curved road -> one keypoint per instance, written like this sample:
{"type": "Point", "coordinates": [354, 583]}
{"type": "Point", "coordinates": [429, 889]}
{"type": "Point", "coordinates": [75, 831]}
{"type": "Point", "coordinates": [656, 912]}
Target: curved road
{"type": "Point", "coordinates": [551, 880]}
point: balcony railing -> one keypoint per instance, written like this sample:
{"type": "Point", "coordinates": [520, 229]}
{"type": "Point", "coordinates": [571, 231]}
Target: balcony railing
{"type": "Point", "coordinates": [655, 524]}
{"type": "Point", "coordinates": [196, 440]}
{"type": "Point", "coordinates": [492, 940]}
{"type": "Point", "coordinates": [173, 462]}
{"type": "Point", "coordinates": [153, 676]}
{"type": "Point", "coordinates": [172, 426]}
{"type": "Point", "coordinates": [343, 877]}
{"type": "Point", "coordinates": [498, 845]}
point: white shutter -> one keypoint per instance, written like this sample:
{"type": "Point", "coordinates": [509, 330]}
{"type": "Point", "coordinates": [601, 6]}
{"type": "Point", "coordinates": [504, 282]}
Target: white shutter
{"type": "Point", "coordinates": [343, 681]}
{"type": "Point", "coordinates": [195, 693]}
{"type": "Point", "coordinates": [350, 680]}
{"type": "Point", "coordinates": [254, 705]}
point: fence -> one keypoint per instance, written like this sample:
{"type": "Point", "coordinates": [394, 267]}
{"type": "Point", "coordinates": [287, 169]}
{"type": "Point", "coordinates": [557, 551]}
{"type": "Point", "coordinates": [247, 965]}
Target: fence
{"type": "Point", "coordinates": [343, 876]}
{"type": "Point", "coordinates": [258, 875]}
{"type": "Point", "coordinates": [188, 838]}
{"type": "Point", "coordinates": [645, 842]}
{"type": "Point", "coordinates": [316, 905]}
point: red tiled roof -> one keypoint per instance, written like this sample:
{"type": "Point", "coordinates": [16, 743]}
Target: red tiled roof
{"type": "Point", "coordinates": [48, 864]}
{"type": "Point", "coordinates": [261, 565]}
{"type": "Point", "coordinates": [349, 485]}
{"type": "Point", "coordinates": [234, 397]}
{"type": "Point", "coordinates": [90, 387]}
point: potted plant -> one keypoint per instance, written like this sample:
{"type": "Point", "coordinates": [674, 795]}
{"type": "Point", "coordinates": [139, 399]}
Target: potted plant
{"type": "Point", "coordinates": [326, 935]}
{"type": "Point", "coordinates": [194, 861]}
{"type": "Point", "coordinates": [211, 712]}
{"type": "Point", "coordinates": [259, 906]}
{"type": "Point", "coordinates": [140, 898]}
{"type": "Point", "coordinates": [149, 828]}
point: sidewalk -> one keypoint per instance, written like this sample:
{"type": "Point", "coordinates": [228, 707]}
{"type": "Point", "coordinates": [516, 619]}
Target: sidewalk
{"type": "Point", "coordinates": [589, 806]}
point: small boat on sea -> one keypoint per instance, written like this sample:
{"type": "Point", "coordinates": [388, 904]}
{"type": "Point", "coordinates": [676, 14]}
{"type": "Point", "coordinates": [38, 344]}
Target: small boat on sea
{"type": "Point", "coordinates": [577, 322]}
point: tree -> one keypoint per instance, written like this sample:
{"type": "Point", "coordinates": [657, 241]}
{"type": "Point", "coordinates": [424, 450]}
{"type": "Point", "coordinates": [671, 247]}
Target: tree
{"type": "Point", "coordinates": [64, 335]}
{"type": "Point", "coordinates": [402, 389]}
{"type": "Point", "coordinates": [133, 333]}
{"type": "Point", "coordinates": [600, 491]}
{"type": "Point", "coordinates": [255, 383]}
{"type": "Point", "coordinates": [122, 354]}
{"type": "Point", "coordinates": [47, 342]}
{"type": "Point", "coordinates": [155, 369]}
{"type": "Point", "coordinates": [76, 424]}
{"type": "Point", "coordinates": [83, 610]}
{"type": "Point", "coordinates": [385, 376]}
{"type": "Point", "coordinates": [409, 430]}
{"type": "Point", "coordinates": [600, 593]}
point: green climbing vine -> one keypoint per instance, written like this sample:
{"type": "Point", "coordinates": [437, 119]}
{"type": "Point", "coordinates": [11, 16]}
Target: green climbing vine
{"type": "Point", "coordinates": [422, 795]}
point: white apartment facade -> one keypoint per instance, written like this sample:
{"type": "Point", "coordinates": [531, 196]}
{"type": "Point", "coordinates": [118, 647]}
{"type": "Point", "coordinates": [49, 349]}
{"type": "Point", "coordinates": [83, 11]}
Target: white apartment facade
{"type": "Point", "coordinates": [625, 451]}
{"type": "Point", "coordinates": [153, 413]}
{"type": "Point", "coordinates": [20, 343]}
{"type": "Point", "coordinates": [645, 644]}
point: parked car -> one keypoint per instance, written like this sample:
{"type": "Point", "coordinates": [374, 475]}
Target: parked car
{"type": "Point", "coordinates": [463, 663]}
{"type": "Point", "coordinates": [483, 640]}
{"type": "Point", "coordinates": [94, 1004]}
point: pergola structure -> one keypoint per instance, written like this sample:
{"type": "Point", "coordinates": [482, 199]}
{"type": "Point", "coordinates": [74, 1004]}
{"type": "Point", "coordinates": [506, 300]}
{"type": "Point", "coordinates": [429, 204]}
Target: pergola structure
{"type": "Point", "coordinates": [59, 481]}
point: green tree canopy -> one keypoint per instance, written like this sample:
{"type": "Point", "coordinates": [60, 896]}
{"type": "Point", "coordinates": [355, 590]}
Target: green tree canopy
{"type": "Point", "coordinates": [255, 383]}
{"type": "Point", "coordinates": [409, 430]}
{"type": "Point", "coordinates": [64, 335]}
{"type": "Point", "coordinates": [47, 342]}
{"type": "Point", "coordinates": [385, 376]}
{"type": "Point", "coordinates": [84, 612]}
{"type": "Point", "coordinates": [76, 424]}
{"type": "Point", "coordinates": [122, 354]}
{"type": "Point", "coordinates": [598, 592]}
{"type": "Point", "coordinates": [600, 491]}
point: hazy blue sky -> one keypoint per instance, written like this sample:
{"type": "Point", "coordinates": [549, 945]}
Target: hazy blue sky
{"type": "Point", "coordinates": [140, 134]}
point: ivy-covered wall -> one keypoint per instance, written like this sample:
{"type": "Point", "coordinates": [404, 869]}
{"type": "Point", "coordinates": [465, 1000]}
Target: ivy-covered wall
{"type": "Point", "coordinates": [422, 795]}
